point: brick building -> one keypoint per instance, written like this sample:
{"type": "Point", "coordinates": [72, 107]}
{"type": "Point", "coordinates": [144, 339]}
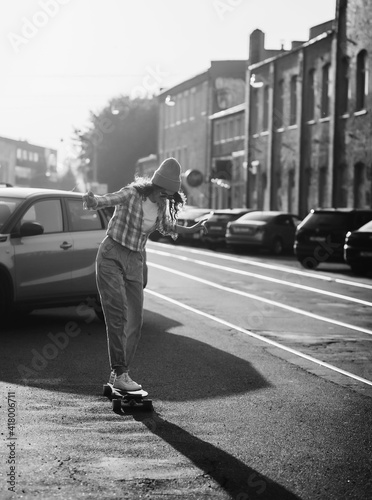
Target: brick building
{"type": "Point", "coordinates": [25, 164]}
{"type": "Point", "coordinates": [228, 176]}
{"type": "Point", "coordinates": [184, 125]}
{"type": "Point", "coordinates": [308, 118]}
{"type": "Point", "coordinates": [352, 180]}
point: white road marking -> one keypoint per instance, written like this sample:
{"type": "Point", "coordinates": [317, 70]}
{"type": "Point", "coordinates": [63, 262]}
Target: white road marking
{"type": "Point", "coordinates": [259, 337]}
{"type": "Point", "coordinates": [261, 299]}
{"type": "Point", "coordinates": [275, 267]}
{"type": "Point", "coordinates": [264, 278]}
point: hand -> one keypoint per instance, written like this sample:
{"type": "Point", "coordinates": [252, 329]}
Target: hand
{"type": "Point", "coordinates": [89, 200]}
{"type": "Point", "coordinates": [201, 225]}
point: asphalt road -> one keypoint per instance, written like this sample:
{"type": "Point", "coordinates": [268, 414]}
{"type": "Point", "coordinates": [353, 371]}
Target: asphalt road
{"type": "Point", "coordinates": [260, 377]}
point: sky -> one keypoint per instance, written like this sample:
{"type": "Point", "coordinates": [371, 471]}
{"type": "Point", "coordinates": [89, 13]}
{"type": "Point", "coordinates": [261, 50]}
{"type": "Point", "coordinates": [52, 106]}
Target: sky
{"type": "Point", "coordinates": [61, 59]}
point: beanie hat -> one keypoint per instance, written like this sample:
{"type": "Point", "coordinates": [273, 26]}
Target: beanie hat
{"type": "Point", "coordinates": [168, 175]}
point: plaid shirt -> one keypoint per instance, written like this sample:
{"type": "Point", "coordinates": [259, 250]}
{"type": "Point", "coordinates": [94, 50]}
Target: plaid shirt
{"type": "Point", "coordinates": [125, 226]}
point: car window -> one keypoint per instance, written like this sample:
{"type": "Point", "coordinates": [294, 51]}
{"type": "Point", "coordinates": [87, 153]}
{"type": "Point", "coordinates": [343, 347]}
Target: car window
{"type": "Point", "coordinates": [328, 219]}
{"type": "Point", "coordinates": [7, 207]}
{"type": "Point", "coordinates": [259, 216]}
{"type": "Point", "coordinates": [367, 227]}
{"type": "Point", "coordinates": [283, 220]}
{"type": "Point", "coordinates": [296, 221]}
{"type": "Point", "coordinates": [48, 213]}
{"type": "Point", "coordinates": [82, 220]}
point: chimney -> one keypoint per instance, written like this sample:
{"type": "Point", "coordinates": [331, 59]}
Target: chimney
{"type": "Point", "coordinates": [256, 46]}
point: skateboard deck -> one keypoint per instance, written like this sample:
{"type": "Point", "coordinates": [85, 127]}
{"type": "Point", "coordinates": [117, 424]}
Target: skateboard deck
{"type": "Point", "coordinates": [127, 400]}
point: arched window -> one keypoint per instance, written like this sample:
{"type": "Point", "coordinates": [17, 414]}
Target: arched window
{"type": "Point", "coordinates": [265, 118]}
{"type": "Point", "coordinates": [325, 90]}
{"type": "Point", "coordinates": [310, 101]}
{"type": "Point", "coordinates": [279, 108]}
{"type": "Point", "coordinates": [344, 85]}
{"type": "Point", "coordinates": [255, 111]}
{"type": "Point", "coordinates": [293, 103]}
{"type": "Point", "coordinates": [361, 80]}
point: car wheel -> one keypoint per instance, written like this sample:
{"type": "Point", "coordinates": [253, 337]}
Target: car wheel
{"type": "Point", "coordinates": [277, 246]}
{"type": "Point", "coordinates": [309, 263]}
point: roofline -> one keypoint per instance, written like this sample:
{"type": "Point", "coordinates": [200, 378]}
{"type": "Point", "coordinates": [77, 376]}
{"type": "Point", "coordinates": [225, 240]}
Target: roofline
{"type": "Point", "coordinates": [198, 77]}
{"type": "Point", "coordinates": [324, 35]}
{"type": "Point", "coordinates": [25, 143]}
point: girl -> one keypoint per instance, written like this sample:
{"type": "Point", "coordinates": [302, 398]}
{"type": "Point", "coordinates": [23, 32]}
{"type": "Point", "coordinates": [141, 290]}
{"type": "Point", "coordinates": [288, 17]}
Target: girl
{"type": "Point", "coordinates": [141, 207]}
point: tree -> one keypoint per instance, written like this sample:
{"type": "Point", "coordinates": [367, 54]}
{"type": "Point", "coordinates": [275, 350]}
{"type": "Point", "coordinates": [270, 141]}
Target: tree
{"type": "Point", "coordinates": [124, 131]}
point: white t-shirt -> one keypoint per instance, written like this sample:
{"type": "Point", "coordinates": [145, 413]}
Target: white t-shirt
{"type": "Point", "coordinates": [150, 213]}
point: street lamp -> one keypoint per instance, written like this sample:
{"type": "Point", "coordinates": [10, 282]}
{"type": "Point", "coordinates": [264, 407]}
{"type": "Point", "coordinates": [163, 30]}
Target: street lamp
{"type": "Point", "coordinates": [169, 101]}
{"type": "Point", "coordinates": [254, 83]}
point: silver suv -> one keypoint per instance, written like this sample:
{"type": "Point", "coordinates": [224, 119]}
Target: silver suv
{"type": "Point", "coordinates": [48, 247]}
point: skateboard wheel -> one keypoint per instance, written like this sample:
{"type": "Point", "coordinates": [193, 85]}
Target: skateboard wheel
{"type": "Point", "coordinates": [116, 405]}
{"type": "Point", "coordinates": [147, 405]}
{"type": "Point", "coordinates": [107, 390]}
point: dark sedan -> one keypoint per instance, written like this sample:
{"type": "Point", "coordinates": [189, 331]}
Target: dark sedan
{"type": "Point", "coordinates": [358, 249]}
{"type": "Point", "coordinates": [216, 225]}
{"type": "Point", "coordinates": [269, 230]}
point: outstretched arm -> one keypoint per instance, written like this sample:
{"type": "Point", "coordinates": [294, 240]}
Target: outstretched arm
{"type": "Point", "coordinates": [89, 201]}
{"type": "Point", "coordinates": [199, 226]}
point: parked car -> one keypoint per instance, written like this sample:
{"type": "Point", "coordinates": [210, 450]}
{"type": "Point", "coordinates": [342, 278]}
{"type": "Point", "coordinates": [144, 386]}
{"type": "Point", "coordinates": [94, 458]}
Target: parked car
{"type": "Point", "coordinates": [48, 246]}
{"type": "Point", "coordinates": [216, 225]}
{"type": "Point", "coordinates": [156, 235]}
{"type": "Point", "coordinates": [358, 249]}
{"type": "Point", "coordinates": [267, 230]}
{"type": "Point", "coordinates": [188, 217]}
{"type": "Point", "coordinates": [321, 235]}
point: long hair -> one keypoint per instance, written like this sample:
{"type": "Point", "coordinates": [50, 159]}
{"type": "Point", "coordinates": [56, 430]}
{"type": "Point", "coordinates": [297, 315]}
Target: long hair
{"type": "Point", "coordinates": [145, 187]}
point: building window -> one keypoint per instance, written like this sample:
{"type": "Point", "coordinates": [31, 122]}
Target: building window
{"type": "Point", "coordinates": [19, 154]}
{"type": "Point", "coordinates": [279, 109]}
{"type": "Point", "coordinates": [254, 114]}
{"type": "Point", "coordinates": [241, 125]}
{"type": "Point", "coordinates": [361, 80]}
{"type": "Point", "coordinates": [360, 185]}
{"type": "Point", "coordinates": [310, 101]}
{"type": "Point", "coordinates": [223, 126]}
{"type": "Point", "coordinates": [322, 187]}
{"type": "Point", "coordinates": [204, 98]}
{"type": "Point", "coordinates": [192, 103]}
{"type": "Point", "coordinates": [178, 107]}
{"type": "Point", "coordinates": [216, 132]}
{"type": "Point", "coordinates": [293, 104]}
{"type": "Point", "coordinates": [265, 117]}
{"type": "Point", "coordinates": [325, 90]}
{"type": "Point", "coordinates": [185, 106]}
{"type": "Point", "coordinates": [344, 86]}
{"type": "Point", "coordinates": [231, 128]}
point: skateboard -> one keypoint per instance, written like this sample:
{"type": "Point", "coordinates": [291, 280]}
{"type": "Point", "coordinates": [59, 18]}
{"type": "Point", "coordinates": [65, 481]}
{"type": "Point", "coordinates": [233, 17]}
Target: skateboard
{"type": "Point", "coordinates": [127, 400]}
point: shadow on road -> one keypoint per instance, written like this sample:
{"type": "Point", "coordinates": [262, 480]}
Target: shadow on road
{"type": "Point", "coordinates": [37, 351]}
{"type": "Point", "coordinates": [236, 478]}
{"type": "Point", "coordinates": [174, 367]}
{"type": "Point", "coordinates": [171, 366]}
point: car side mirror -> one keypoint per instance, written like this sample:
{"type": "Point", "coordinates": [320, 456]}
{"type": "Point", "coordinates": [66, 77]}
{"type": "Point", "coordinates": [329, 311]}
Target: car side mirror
{"type": "Point", "coordinates": [31, 229]}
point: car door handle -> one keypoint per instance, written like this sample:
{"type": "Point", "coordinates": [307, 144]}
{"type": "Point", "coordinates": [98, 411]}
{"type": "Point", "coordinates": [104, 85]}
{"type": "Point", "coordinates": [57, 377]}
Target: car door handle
{"type": "Point", "coordinates": [65, 245]}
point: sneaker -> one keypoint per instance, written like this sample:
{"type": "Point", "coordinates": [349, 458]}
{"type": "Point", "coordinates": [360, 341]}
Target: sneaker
{"type": "Point", "coordinates": [125, 383]}
{"type": "Point", "coordinates": [112, 377]}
